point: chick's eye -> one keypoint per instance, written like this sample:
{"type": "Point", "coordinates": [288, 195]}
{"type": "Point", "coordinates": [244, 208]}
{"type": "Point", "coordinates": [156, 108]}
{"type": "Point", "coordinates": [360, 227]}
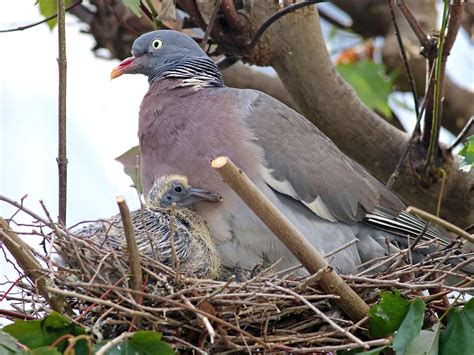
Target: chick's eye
{"type": "Point", "coordinates": [178, 189]}
{"type": "Point", "coordinates": [157, 43]}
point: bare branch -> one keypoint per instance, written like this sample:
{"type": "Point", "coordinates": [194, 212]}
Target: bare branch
{"type": "Point", "coordinates": [25, 27]}
{"type": "Point", "coordinates": [62, 142]}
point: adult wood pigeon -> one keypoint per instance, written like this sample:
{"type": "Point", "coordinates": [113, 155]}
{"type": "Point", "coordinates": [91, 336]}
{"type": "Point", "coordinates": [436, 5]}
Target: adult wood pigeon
{"type": "Point", "coordinates": [189, 117]}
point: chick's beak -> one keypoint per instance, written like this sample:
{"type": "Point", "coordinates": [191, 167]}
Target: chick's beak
{"type": "Point", "coordinates": [122, 67]}
{"type": "Point", "coordinates": [205, 195]}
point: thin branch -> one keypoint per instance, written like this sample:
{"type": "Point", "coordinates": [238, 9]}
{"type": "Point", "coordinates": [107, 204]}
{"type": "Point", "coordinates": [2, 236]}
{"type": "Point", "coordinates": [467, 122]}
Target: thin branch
{"type": "Point", "coordinates": [110, 344]}
{"type": "Point", "coordinates": [416, 132]}
{"type": "Point", "coordinates": [428, 46]}
{"type": "Point", "coordinates": [411, 79]}
{"type": "Point", "coordinates": [62, 142]}
{"type": "Point", "coordinates": [25, 27]}
{"type": "Point", "coordinates": [331, 20]}
{"type": "Point", "coordinates": [204, 319]}
{"type": "Point", "coordinates": [462, 134]}
{"type": "Point", "coordinates": [441, 222]}
{"type": "Point", "coordinates": [154, 14]}
{"type": "Point", "coordinates": [291, 237]}
{"type": "Point", "coordinates": [451, 22]}
{"type": "Point", "coordinates": [321, 314]}
{"type": "Point", "coordinates": [212, 20]}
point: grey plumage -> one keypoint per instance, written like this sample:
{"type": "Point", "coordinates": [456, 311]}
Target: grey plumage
{"type": "Point", "coordinates": [326, 195]}
{"type": "Point", "coordinates": [193, 245]}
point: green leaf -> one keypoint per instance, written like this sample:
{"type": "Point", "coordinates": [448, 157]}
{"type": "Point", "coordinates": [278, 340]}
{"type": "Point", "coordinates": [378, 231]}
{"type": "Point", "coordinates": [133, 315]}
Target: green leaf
{"type": "Point", "coordinates": [388, 314]}
{"type": "Point", "coordinates": [133, 5]}
{"type": "Point", "coordinates": [40, 333]}
{"type": "Point", "coordinates": [426, 343]}
{"type": "Point", "coordinates": [129, 160]}
{"type": "Point", "coordinates": [410, 327]}
{"type": "Point", "coordinates": [458, 337]}
{"type": "Point", "coordinates": [45, 350]}
{"type": "Point", "coordinates": [149, 342]}
{"type": "Point", "coordinates": [48, 8]}
{"type": "Point", "coordinates": [144, 342]}
{"type": "Point", "coordinates": [370, 82]}
{"type": "Point", "coordinates": [467, 152]}
{"type": "Point", "coordinates": [8, 343]}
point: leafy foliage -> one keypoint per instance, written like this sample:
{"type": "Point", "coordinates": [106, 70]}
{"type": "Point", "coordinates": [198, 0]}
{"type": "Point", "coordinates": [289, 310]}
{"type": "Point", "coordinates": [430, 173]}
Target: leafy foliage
{"type": "Point", "coordinates": [133, 5]}
{"type": "Point", "coordinates": [142, 342]}
{"type": "Point", "coordinates": [458, 337]}
{"type": "Point", "coordinates": [410, 327]}
{"type": "Point", "coordinates": [48, 8]}
{"type": "Point", "coordinates": [42, 333]}
{"type": "Point", "coordinates": [129, 160]}
{"type": "Point", "coordinates": [370, 82]}
{"type": "Point", "coordinates": [387, 316]}
{"type": "Point", "coordinates": [467, 152]}
{"type": "Point", "coordinates": [8, 344]}
{"type": "Point", "coordinates": [53, 334]}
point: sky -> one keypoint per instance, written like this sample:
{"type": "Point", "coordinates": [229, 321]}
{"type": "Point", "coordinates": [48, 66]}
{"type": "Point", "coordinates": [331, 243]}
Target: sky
{"type": "Point", "coordinates": [102, 118]}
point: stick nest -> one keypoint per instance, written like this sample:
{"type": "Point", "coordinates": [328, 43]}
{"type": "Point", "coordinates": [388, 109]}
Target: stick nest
{"type": "Point", "coordinates": [271, 310]}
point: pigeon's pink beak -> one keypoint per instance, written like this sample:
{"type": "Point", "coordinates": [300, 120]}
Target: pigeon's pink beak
{"type": "Point", "coordinates": [122, 67]}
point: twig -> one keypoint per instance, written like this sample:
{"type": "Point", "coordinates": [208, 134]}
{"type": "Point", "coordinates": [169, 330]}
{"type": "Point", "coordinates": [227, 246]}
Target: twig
{"type": "Point", "coordinates": [321, 314]}
{"type": "Point", "coordinates": [411, 79]}
{"type": "Point", "coordinates": [204, 319]}
{"type": "Point", "coordinates": [416, 132]}
{"type": "Point", "coordinates": [462, 134]}
{"type": "Point", "coordinates": [133, 256]}
{"type": "Point", "coordinates": [110, 344]}
{"type": "Point", "coordinates": [333, 21]}
{"type": "Point", "coordinates": [215, 10]}
{"type": "Point", "coordinates": [21, 28]}
{"type": "Point", "coordinates": [16, 315]}
{"type": "Point", "coordinates": [25, 259]}
{"type": "Point", "coordinates": [419, 237]}
{"type": "Point", "coordinates": [341, 248]}
{"type": "Point", "coordinates": [443, 174]}
{"type": "Point", "coordinates": [428, 46]}
{"type": "Point", "coordinates": [331, 282]}
{"type": "Point", "coordinates": [154, 14]}
{"type": "Point", "coordinates": [445, 224]}
{"type": "Point", "coordinates": [172, 226]}
{"type": "Point", "coordinates": [62, 153]}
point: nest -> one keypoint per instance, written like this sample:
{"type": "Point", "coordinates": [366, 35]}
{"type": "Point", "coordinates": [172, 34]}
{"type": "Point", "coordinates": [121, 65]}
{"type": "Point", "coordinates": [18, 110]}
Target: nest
{"type": "Point", "coordinates": [271, 311]}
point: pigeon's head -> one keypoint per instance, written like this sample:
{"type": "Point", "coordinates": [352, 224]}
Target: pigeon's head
{"type": "Point", "coordinates": [158, 51]}
{"type": "Point", "coordinates": [171, 189]}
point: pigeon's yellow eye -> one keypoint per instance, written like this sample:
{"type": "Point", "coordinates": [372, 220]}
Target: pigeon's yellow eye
{"type": "Point", "coordinates": [157, 43]}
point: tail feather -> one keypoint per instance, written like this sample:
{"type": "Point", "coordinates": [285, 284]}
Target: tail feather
{"type": "Point", "coordinates": [407, 225]}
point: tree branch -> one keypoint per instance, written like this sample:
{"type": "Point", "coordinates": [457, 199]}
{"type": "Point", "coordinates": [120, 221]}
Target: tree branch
{"type": "Point", "coordinates": [62, 152]}
{"type": "Point", "coordinates": [34, 24]}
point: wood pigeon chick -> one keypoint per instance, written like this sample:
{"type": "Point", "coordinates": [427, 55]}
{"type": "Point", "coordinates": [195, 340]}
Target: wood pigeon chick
{"type": "Point", "coordinates": [189, 117]}
{"type": "Point", "coordinates": [193, 245]}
